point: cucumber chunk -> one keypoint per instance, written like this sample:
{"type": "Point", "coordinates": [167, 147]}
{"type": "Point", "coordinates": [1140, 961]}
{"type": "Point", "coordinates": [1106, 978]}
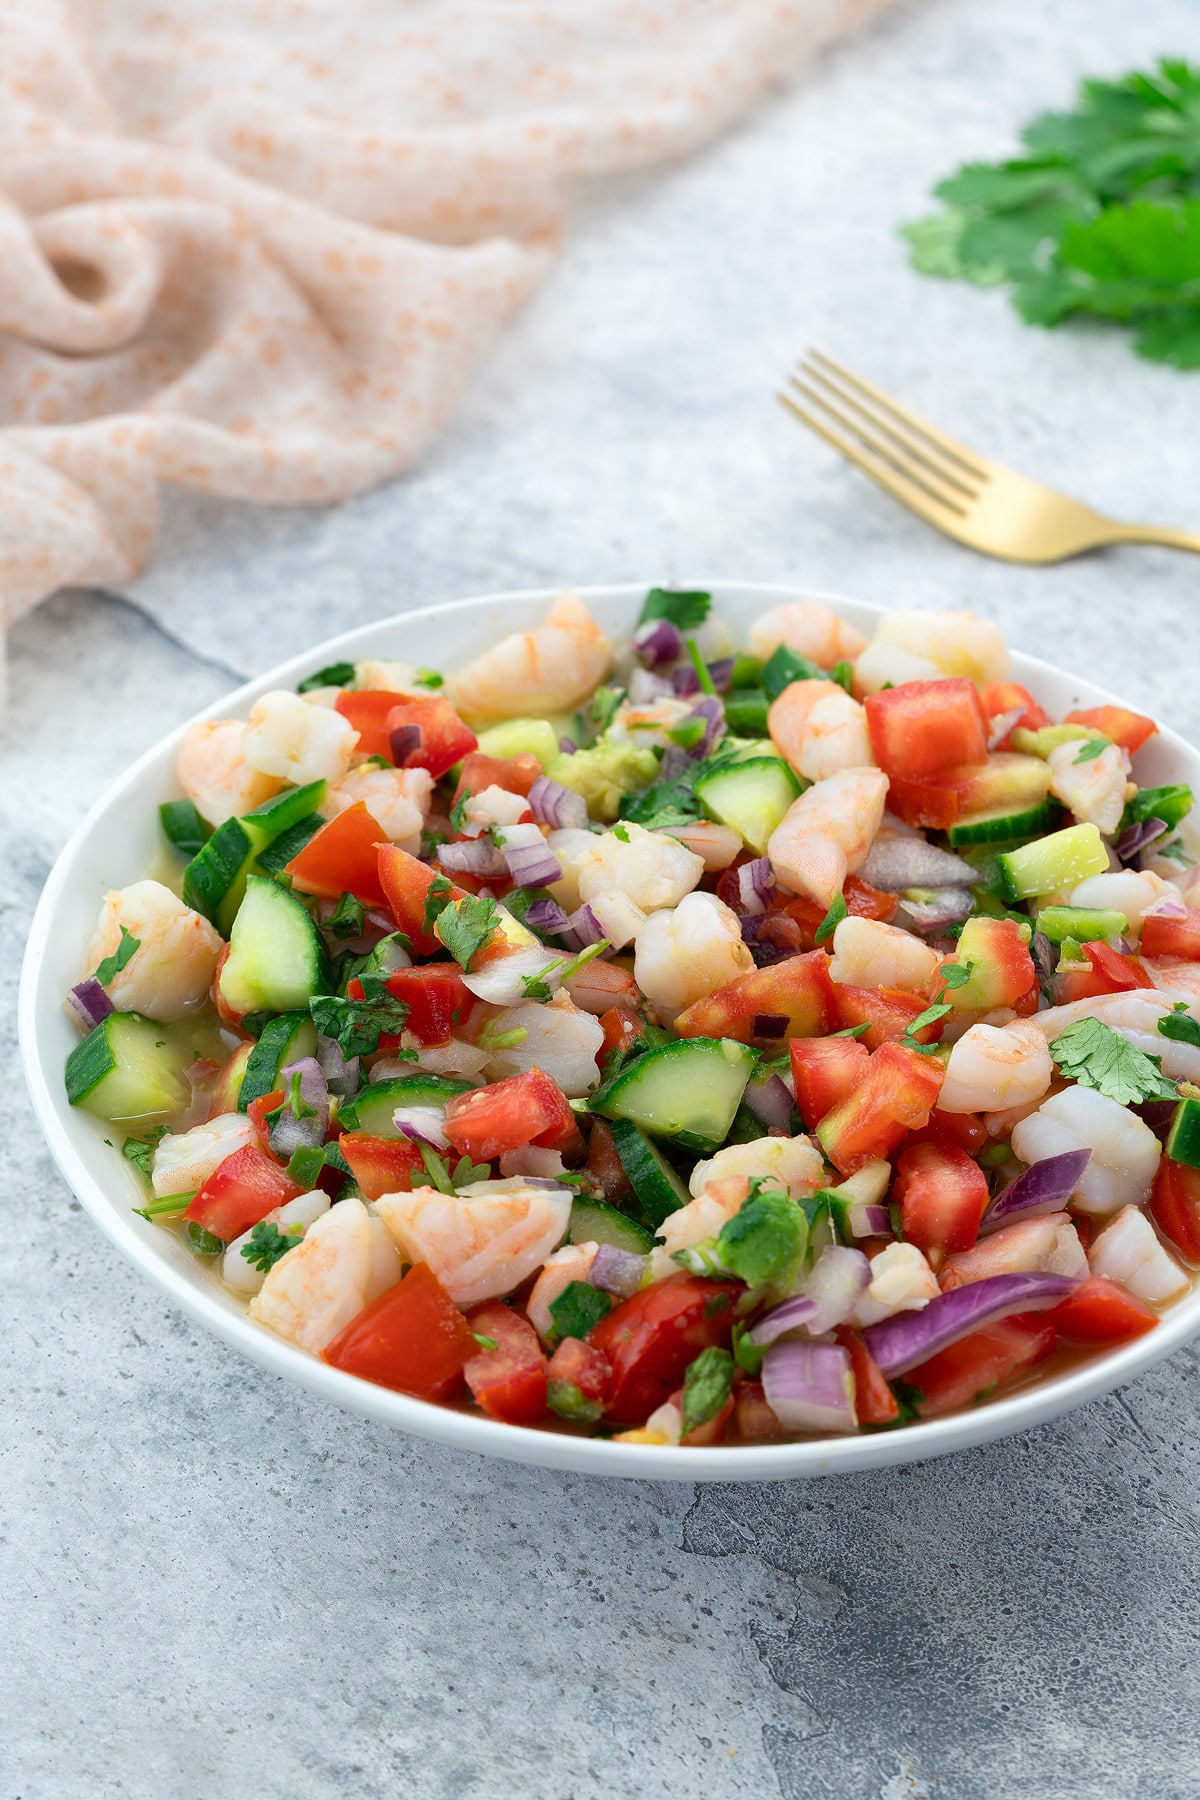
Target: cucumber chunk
{"type": "Point", "coordinates": [372, 1108]}
{"type": "Point", "coordinates": [751, 797]}
{"type": "Point", "coordinates": [596, 1222]}
{"type": "Point", "coordinates": [285, 1040]}
{"type": "Point", "coordinates": [688, 1091]}
{"type": "Point", "coordinates": [520, 737]}
{"type": "Point", "coordinates": [215, 879]}
{"type": "Point", "coordinates": [1183, 1139]}
{"type": "Point", "coordinates": [658, 1188]}
{"type": "Point", "coordinates": [1085, 924]}
{"type": "Point", "coordinates": [277, 958]}
{"type": "Point", "coordinates": [1006, 826]}
{"type": "Point", "coordinates": [1059, 860]}
{"type": "Point", "coordinates": [126, 1069]}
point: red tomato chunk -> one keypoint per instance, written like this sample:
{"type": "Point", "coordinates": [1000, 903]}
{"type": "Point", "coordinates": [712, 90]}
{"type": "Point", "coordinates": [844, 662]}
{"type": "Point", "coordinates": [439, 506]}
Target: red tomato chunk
{"type": "Point", "coordinates": [1175, 1206]}
{"type": "Point", "coordinates": [942, 1196]}
{"type": "Point", "coordinates": [437, 998]}
{"type": "Point", "coordinates": [343, 858]}
{"type": "Point", "coordinates": [970, 1370]}
{"type": "Point", "coordinates": [444, 738]}
{"type": "Point", "coordinates": [508, 1382]}
{"type": "Point", "coordinates": [924, 727]}
{"type": "Point", "coordinates": [406, 882]}
{"type": "Point", "coordinates": [651, 1338]}
{"type": "Point", "coordinates": [584, 1367]}
{"type": "Point", "coordinates": [412, 1338]}
{"type": "Point", "coordinates": [382, 1165]}
{"type": "Point", "coordinates": [240, 1193]}
{"type": "Point", "coordinates": [798, 989]}
{"type": "Point", "coordinates": [825, 1071]}
{"type": "Point", "coordinates": [1172, 937]}
{"type": "Point", "coordinates": [895, 1096]}
{"type": "Point", "coordinates": [1101, 1312]}
{"type": "Point", "coordinates": [522, 1109]}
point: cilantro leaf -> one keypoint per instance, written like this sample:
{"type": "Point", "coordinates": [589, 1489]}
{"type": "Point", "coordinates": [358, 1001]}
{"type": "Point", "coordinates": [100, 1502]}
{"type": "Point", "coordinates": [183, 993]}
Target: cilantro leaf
{"type": "Point", "coordinates": [1094, 1055]}
{"type": "Point", "coordinates": [662, 805]}
{"type": "Point", "coordinates": [1093, 748]}
{"type": "Point", "coordinates": [930, 1016]}
{"type": "Point", "coordinates": [1177, 1024]}
{"type": "Point", "coordinates": [111, 967]}
{"type": "Point", "coordinates": [784, 666]}
{"type": "Point", "coordinates": [605, 702]}
{"type": "Point", "coordinates": [268, 1244]}
{"type": "Point", "coordinates": [429, 678]}
{"type": "Point", "coordinates": [833, 918]}
{"type": "Point", "coordinates": [346, 919]}
{"type": "Point", "coordinates": [465, 926]}
{"type": "Point", "coordinates": [293, 1102]}
{"type": "Point", "coordinates": [955, 974]}
{"type": "Point", "coordinates": [458, 812]}
{"type": "Point", "coordinates": [706, 1387]}
{"type": "Point", "coordinates": [339, 675]}
{"type": "Point", "coordinates": [357, 1025]}
{"type": "Point", "coordinates": [437, 899]}
{"type": "Point", "coordinates": [141, 1150]}
{"type": "Point", "coordinates": [578, 1308]}
{"type": "Point", "coordinates": [853, 1031]}
{"type": "Point", "coordinates": [686, 610]}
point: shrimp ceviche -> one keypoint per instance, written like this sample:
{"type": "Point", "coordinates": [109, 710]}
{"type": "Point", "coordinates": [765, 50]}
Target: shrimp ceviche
{"type": "Point", "coordinates": [665, 1042]}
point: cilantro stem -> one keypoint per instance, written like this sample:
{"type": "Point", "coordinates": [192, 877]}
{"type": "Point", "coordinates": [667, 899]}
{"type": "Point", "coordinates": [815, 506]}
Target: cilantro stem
{"type": "Point", "coordinates": [700, 666]}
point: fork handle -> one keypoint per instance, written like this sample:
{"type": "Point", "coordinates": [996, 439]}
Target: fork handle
{"type": "Point", "coordinates": [1155, 534]}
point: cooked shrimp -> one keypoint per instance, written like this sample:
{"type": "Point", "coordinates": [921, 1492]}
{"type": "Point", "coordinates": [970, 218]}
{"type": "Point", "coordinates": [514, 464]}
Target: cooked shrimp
{"type": "Point", "coordinates": [685, 954]}
{"type": "Point", "coordinates": [292, 1220]}
{"type": "Point", "coordinates": [810, 630]}
{"type": "Point", "coordinates": [716, 845]}
{"type": "Point", "coordinates": [1128, 1251]}
{"type": "Point", "coordinates": [620, 918]}
{"type": "Point", "coordinates": [481, 1242]}
{"type": "Point", "coordinates": [1175, 980]}
{"type": "Point", "coordinates": [398, 799]}
{"type": "Point", "coordinates": [649, 723]}
{"type": "Point", "coordinates": [458, 1057]}
{"type": "Point", "coordinates": [1135, 1015]}
{"type": "Point", "coordinates": [569, 845]}
{"type": "Point", "coordinates": [547, 670]}
{"type": "Point", "coordinates": [183, 1161]}
{"type": "Point", "coordinates": [1125, 1151]}
{"type": "Point", "coordinates": [991, 1069]}
{"type": "Point", "coordinates": [171, 971]}
{"type": "Point", "coordinates": [1126, 891]}
{"type": "Point", "coordinates": [492, 806]}
{"type": "Point", "coordinates": [901, 1281]}
{"type": "Point", "coordinates": [215, 775]}
{"type": "Point", "coordinates": [825, 834]}
{"type": "Point", "coordinates": [820, 729]}
{"type": "Point", "coordinates": [952, 643]}
{"type": "Point", "coordinates": [572, 1263]}
{"type": "Point", "coordinates": [1050, 1244]}
{"type": "Point", "coordinates": [1094, 790]}
{"type": "Point", "coordinates": [869, 954]}
{"type": "Point", "coordinates": [691, 1224]}
{"type": "Point", "coordinates": [384, 673]}
{"type": "Point", "coordinates": [301, 743]}
{"type": "Point", "coordinates": [653, 870]}
{"type": "Point", "coordinates": [793, 1164]}
{"type": "Point", "coordinates": [559, 1039]}
{"type": "Point", "coordinates": [314, 1291]}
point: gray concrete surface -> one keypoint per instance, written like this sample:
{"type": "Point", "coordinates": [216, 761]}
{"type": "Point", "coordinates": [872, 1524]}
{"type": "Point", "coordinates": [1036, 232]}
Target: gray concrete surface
{"type": "Point", "coordinates": [211, 1585]}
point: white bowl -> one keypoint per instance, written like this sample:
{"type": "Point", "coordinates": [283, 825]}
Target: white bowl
{"type": "Point", "coordinates": [116, 843]}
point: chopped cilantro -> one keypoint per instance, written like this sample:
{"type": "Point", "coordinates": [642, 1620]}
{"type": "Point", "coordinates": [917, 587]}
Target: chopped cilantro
{"type": "Point", "coordinates": [853, 1031]}
{"type": "Point", "coordinates": [706, 1387]}
{"type": "Point", "coordinates": [466, 926]}
{"type": "Point", "coordinates": [485, 1342]}
{"type": "Point", "coordinates": [688, 733]}
{"type": "Point", "coordinates": [141, 1150]}
{"type": "Point", "coordinates": [458, 812]}
{"type": "Point", "coordinates": [339, 675]}
{"type": "Point", "coordinates": [621, 833]}
{"type": "Point", "coordinates": [204, 1243]}
{"type": "Point", "coordinates": [1093, 748]}
{"type": "Point", "coordinates": [111, 967]}
{"type": "Point", "coordinates": [537, 986]}
{"type": "Point", "coordinates": [578, 1308]}
{"type": "Point", "coordinates": [955, 974]}
{"type": "Point", "coordinates": [701, 667]}
{"type": "Point", "coordinates": [346, 920]}
{"type": "Point", "coordinates": [833, 918]}
{"type": "Point", "coordinates": [447, 1180]}
{"type": "Point", "coordinates": [1094, 1055]}
{"type": "Point", "coordinates": [685, 610]}
{"type": "Point", "coordinates": [663, 805]}
{"type": "Point", "coordinates": [1177, 1024]}
{"type": "Point", "coordinates": [267, 1244]}
{"type": "Point", "coordinates": [429, 678]}
{"type": "Point", "coordinates": [605, 702]}
{"type": "Point", "coordinates": [437, 898]}
{"type": "Point", "coordinates": [843, 674]}
{"type": "Point", "coordinates": [293, 1102]}
{"type": "Point", "coordinates": [784, 666]}
{"type": "Point", "coordinates": [357, 1025]}
{"type": "Point", "coordinates": [571, 1403]}
{"type": "Point", "coordinates": [746, 1353]}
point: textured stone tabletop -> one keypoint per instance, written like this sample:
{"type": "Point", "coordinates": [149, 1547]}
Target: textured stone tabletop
{"type": "Point", "coordinates": [211, 1585]}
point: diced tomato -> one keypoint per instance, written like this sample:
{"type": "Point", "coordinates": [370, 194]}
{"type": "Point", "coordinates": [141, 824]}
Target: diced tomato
{"type": "Point", "coordinates": [798, 989]}
{"type": "Point", "coordinates": [382, 1165]}
{"type": "Point", "coordinates": [1004, 697]}
{"type": "Point", "coordinates": [874, 1401]}
{"type": "Point", "coordinates": [1101, 1312]}
{"type": "Point", "coordinates": [969, 1370]}
{"type": "Point", "coordinates": [228, 1084]}
{"type": "Point", "coordinates": [523, 1109]}
{"type": "Point", "coordinates": [412, 1338]}
{"type": "Point", "coordinates": [240, 1192]}
{"type": "Point", "coordinates": [1111, 972]}
{"type": "Point", "coordinates": [367, 710]}
{"type": "Point", "coordinates": [941, 1194]}
{"type": "Point", "coordinates": [651, 1338]}
{"type": "Point", "coordinates": [753, 1417]}
{"type": "Point", "coordinates": [257, 1112]}
{"type": "Point", "coordinates": [508, 1382]}
{"type": "Point", "coordinates": [445, 740]}
{"type": "Point", "coordinates": [1179, 938]}
{"type": "Point", "coordinates": [437, 998]}
{"type": "Point", "coordinates": [862, 902]}
{"type": "Point", "coordinates": [1004, 782]}
{"type": "Point", "coordinates": [1129, 729]}
{"type": "Point", "coordinates": [406, 883]}
{"type": "Point", "coordinates": [1002, 971]}
{"type": "Point", "coordinates": [888, 1011]}
{"type": "Point", "coordinates": [1175, 1206]}
{"type": "Point", "coordinates": [932, 805]}
{"type": "Point", "coordinates": [966, 1130]}
{"type": "Point", "coordinates": [622, 1029]}
{"type": "Point", "coordinates": [605, 1166]}
{"type": "Point", "coordinates": [343, 858]}
{"type": "Point", "coordinates": [923, 727]}
{"type": "Point", "coordinates": [583, 1366]}
{"type": "Point", "coordinates": [225, 1012]}
{"type": "Point", "coordinates": [481, 771]}
{"type": "Point", "coordinates": [895, 1096]}
{"type": "Point", "coordinates": [825, 1072]}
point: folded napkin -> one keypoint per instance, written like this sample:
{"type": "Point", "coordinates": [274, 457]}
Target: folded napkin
{"type": "Point", "coordinates": [257, 247]}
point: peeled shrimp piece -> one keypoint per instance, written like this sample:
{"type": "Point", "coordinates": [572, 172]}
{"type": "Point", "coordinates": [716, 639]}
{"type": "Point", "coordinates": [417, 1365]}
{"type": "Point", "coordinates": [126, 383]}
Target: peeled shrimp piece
{"type": "Point", "coordinates": [901, 1281]}
{"type": "Point", "coordinates": [183, 1161]}
{"type": "Point", "coordinates": [559, 1039]}
{"type": "Point", "coordinates": [492, 806]}
{"type": "Point", "coordinates": [293, 1220]}
{"type": "Point", "coordinates": [869, 954]}
{"type": "Point", "coordinates": [954, 643]}
{"type": "Point", "coordinates": [810, 630]}
{"type": "Point", "coordinates": [300, 743]}
{"type": "Point", "coordinates": [1130, 1252]}
{"type": "Point", "coordinates": [1125, 1151]}
{"type": "Point", "coordinates": [215, 775]}
{"type": "Point", "coordinates": [547, 670]}
{"type": "Point", "coordinates": [458, 1057]}
{"type": "Point", "coordinates": [820, 729]}
{"type": "Point", "coordinates": [397, 799]}
{"type": "Point", "coordinates": [684, 955]}
{"type": "Point", "coordinates": [790, 1163]}
{"type": "Point", "coordinates": [993, 1068]}
{"type": "Point", "coordinates": [482, 1242]}
{"type": "Point", "coordinates": [1135, 1015]}
{"type": "Point", "coordinates": [652, 870]}
{"type": "Point", "coordinates": [1175, 980]}
{"type": "Point", "coordinates": [391, 677]}
{"type": "Point", "coordinates": [648, 724]}
{"type": "Point", "coordinates": [1050, 1245]}
{"type": "Point", "coordinates": [569, 844]}
{"type": "Point", "coordinates": [572, 1263]}
{"type": "Point", "coordinates": [1093, 790]}
{"type": "Point", "coordinates": [171, 971]}
{"type": "Point", "coordinates": [701, 1218]}
{"type": "Point", "coordinates": [1128, 891]}
{"type": "Point", "coordinates": [314, 1291]}
{"type": "Point", "coordinates": [825, 834]}
{"type": "Point", "coordinates": [716, 845]}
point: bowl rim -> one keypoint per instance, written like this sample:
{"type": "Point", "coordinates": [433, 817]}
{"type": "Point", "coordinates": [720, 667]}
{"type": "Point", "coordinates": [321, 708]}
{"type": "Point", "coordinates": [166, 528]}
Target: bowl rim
{"type": "Point", "coordinates": [1033, 1405]}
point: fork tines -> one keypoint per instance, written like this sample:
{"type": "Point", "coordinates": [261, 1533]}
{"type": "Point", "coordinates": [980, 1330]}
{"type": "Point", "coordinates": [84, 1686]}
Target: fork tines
{"type": "Point", "coordinates": [912, 459]}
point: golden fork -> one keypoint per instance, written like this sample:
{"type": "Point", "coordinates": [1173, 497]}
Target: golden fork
{"type": "Point", "coordinates": [981, 503]}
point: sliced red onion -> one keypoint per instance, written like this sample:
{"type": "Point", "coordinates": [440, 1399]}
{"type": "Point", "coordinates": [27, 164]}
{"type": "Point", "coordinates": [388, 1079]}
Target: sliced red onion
{"type": "Point", "coordinates": [404, 740]}
{"type": "Point", "coordinates": [755, 881]}
{"type": "Point", "coordinates": [769, 1025]}
{"type": "Point", "coordinates": [473, 856]}
{"type": "Point", "coordinates": [342, 1077]}
{"type": "Point", "coordinates": [658, 643]}
{"type": "Point", "coordinates": [553, 804]}
{"type": "Point", "coordinates": [839, 1277]}
{"type": "Point", "coordinates": [567, 746]}
{"type": "Point", "coordinates": [770, 1100]}
{"type": "Point", "coordinates": [547, 915]}
{"type": "Point", "coordinates": [1045, 958]}
{"type": "Point", "coordinates": [422, 1125]}
{"type": "Point", "coordinates": [895, 863]}
{"type": "Point", "coordinates": [90, 1004]}
{"type": "Point", "coordinates": [908, 1338]}
{"type": "Point", "coordinates": [685, 681]}
{"type": "Point", "coordinates": [930, 910]}
{"type": "Point", "coordinates": [720, 673]}
{"type": "Point", "coordinates": [810, 1387]}
{"type": "Point", "coordinates": [288, 1133]}
{"type": "Point", "coordinates": [583, 928]}
{"type": "Point", "coordinates": [1167, 906]}
{"type": "Point", "coordinates": [675, 764]}
{"type": "Point", "coordinates": [644, 688]}
{"type": "Point", "coordinates": [1000, 724]}
{"type": "Point", "coordinates": [711, 709]}
{"type": "Point", "coordinates": [869, 1221]}
{"type": "Point", "coordinates": [789, 1315]}
{"type": "Point", "coordinates": [766, 948]}
{"type": "Point", "coordinates": [530, 860]}
{"type": "Point", "coordinates": [1131, 843]}
{"type": "Point", "coordinates": [617, 1271]}
{"type": "Point", "coordinates": [1045, 1187]}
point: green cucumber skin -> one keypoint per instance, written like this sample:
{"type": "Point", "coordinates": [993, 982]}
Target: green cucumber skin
{"type": "Point", "coordinates": [215, 868]}
{"type": "Point", "coordinates": [123, 1069]}
{"type": "Point", "coordinates": [1183, 1140]}
{"type": "Point", "coordinates": [214, 882]}
{"type": "Point", "coordinates": [88, 1063]}
{"type": "Point", "coordinates": [1007, 828]}
{"type": "Point", "coordinates": [183, 827]}
{"type": "Point", "coordinates": [659, 1190]}
{"type": "Point", "coordinates": [751, 797]}
{"type": "Point", "coordinates": [371, 1109]}
{"type": "Point", "coordinates": [277, 958]}
{"type": "Point", "coordinates": [596, 1222]}
{"type": "Point", "coordinates": [282, 811]}
{"type": "Point", "coordinates": [635, 1093]}
{"type": "Point", "coordinates": [280, 851]}
{"type": "Point", "coordinates": [286, 1039]}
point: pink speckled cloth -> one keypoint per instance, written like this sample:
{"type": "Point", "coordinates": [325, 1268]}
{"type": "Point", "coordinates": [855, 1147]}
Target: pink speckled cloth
{"type": "Point", "coordinates": [256, 247]}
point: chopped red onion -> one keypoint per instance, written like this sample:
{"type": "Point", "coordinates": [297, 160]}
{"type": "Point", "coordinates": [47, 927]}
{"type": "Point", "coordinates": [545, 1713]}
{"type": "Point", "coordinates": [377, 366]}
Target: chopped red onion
{"type": "Point", "coordinates": [839, 1277]}
{"type": "Point", "coordinates": [895, 863]}
{"type": "Point", "coordinates": [529, 859]}
{"type": "Point", "coordinates": [1167, 906]}
{"type": "Point", "coordinates": [789, 1315]}
{"type": "Point", "coordinates": [709, 708]}
{"type": "Point", "coordinates": [930, 910]}
{"type": "Point", "coordinates": [568, 746]}
{"type": "Point", "coordinates": [1000, 724]}
{"type": "Point", "coordinates": [644, 688]}
{"type": "Point", "coordinates": [557, 806]}
{"type": "Point", "coordinates": [685, 681]}
{"type": "Point", "coordinates": [473, 856]}
{"type": "Point", "coordinates": [1131, 843]}
{"type": "Point", "coordinates": [898, 1344]}
{"type": "Point", "coordinates": [617, 1271]}
{"type": "Point", "coordinates": [810, 1387]}
{"type": "Point", "coordinates": [1045, 958]}
{"type": "Point", "coordinates": [868, 1221]}
{"type": "Point", "coordinates": [769, 1025]}
{"type": "Point", "coordinates": [404, 740]}
{"type": "Point", "coordinates": [289, 1133]}
{"type": "Point", "coordinates": [720, 673]}
{"type": "Point", "coordinates": [770, 1100]}
{"type": "Point", "coordinates": [547, 915]}
{"type": "Point", "coordinates": [90, 1004]}
{"type": "Point", "coordinates": [342, 1077]}
{"type": "Point", "coordinates": [583, 928]}
{"type": "Point", "coordinates": [422, 1125]}
{"type": "Point", "coordinates": [658, 643]}
{"type": "Point", "coordinates": [755, 881]}
{"type": "Point", "coordinates": [1045, 1187]}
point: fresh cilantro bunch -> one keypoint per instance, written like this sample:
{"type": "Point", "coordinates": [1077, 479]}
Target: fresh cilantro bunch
{"type": "Point", "coordinates": [1099, 216]}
